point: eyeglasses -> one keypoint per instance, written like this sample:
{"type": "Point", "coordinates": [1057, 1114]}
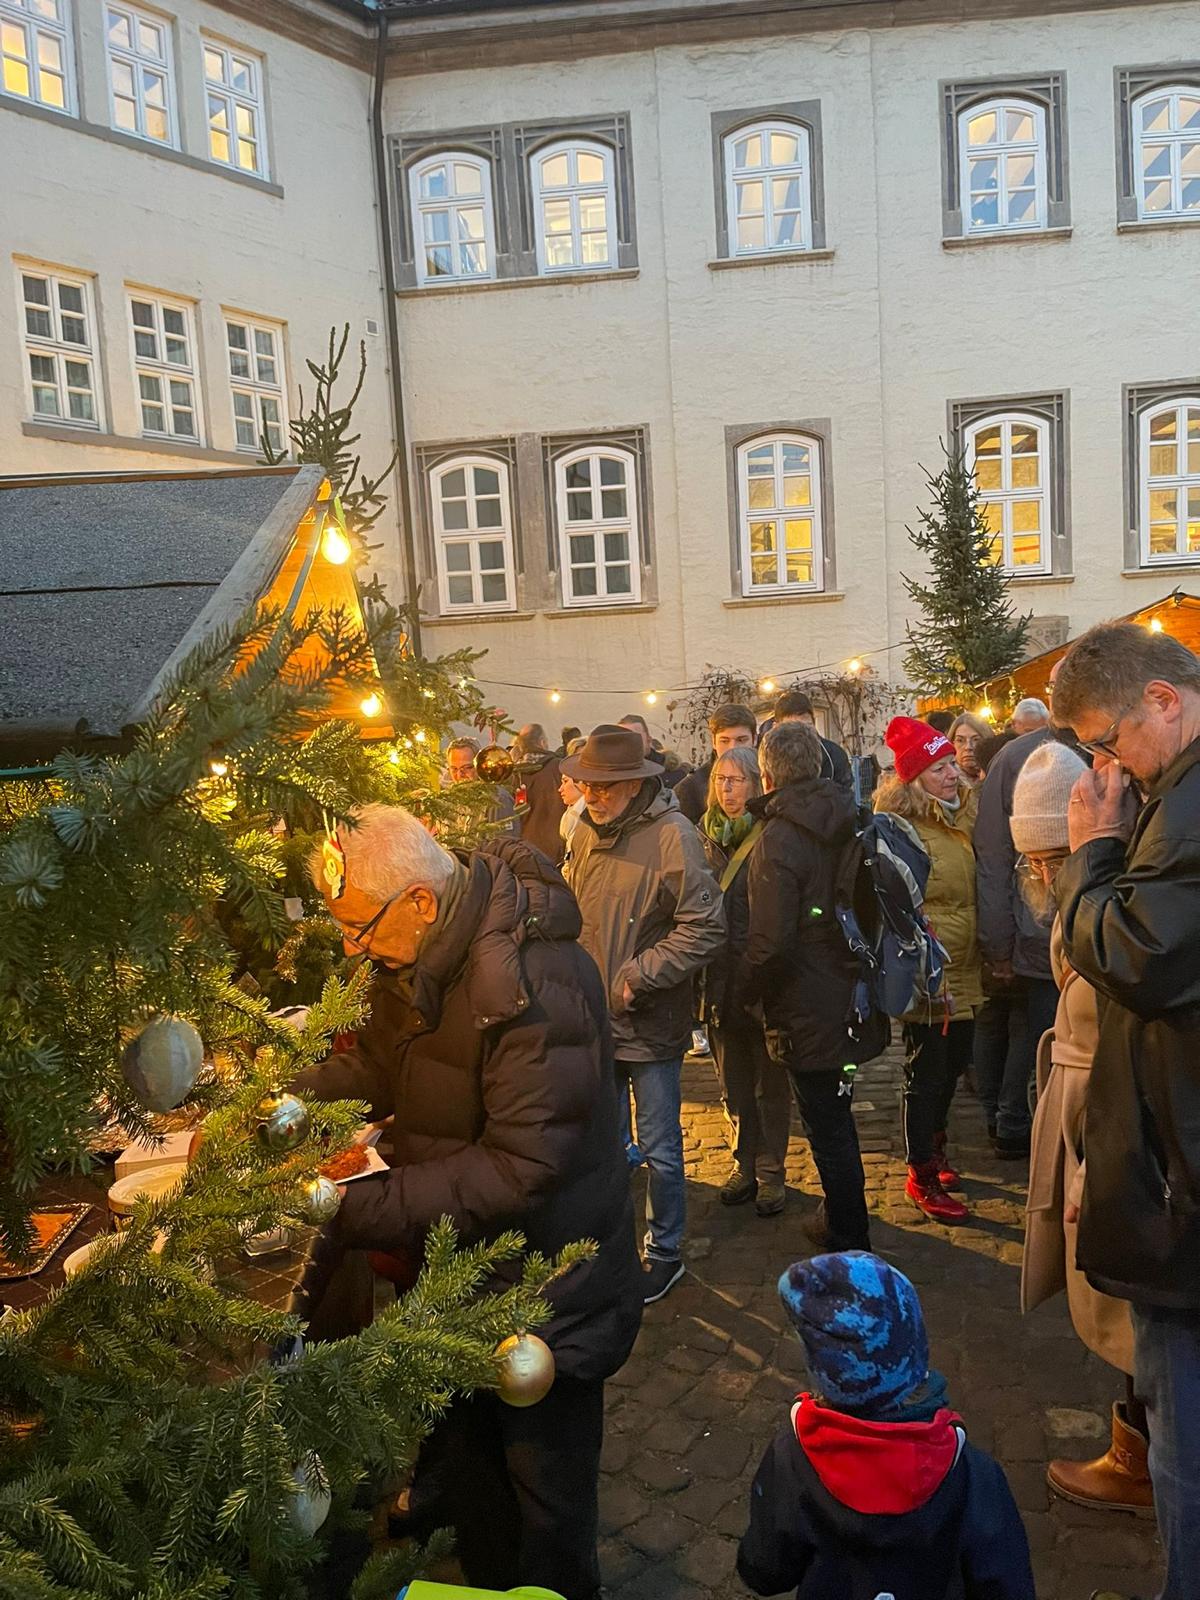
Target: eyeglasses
{"type": "Point", "coordinates": [360, 936]}
{"type": "Point", "coordinates": [737, 778]}
{"type": "Point", "coordinates": [594, 788]}
{"type": "Point", "coordinates": [1044, 868]}
{"type": "Point", "coordinates": [1105, 743]}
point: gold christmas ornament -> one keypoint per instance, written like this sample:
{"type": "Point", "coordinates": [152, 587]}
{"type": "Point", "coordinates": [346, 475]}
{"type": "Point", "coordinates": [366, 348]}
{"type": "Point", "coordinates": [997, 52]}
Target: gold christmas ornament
{"type": "Point", "coordinates": [283, 1121]}
{"type": "Point", "coordinates": [162, 1063]}
{"type": "Point", "coordinates": [494, 764]}
{"type": "Point", "coordinates": [527, 1369]}
{"type": "Point", "coordinates": [320, 1200]}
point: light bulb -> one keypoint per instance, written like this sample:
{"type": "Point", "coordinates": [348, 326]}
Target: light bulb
{"type": "Point", "coordinates": [394, 757]}
{"type": "Point", "coordinates": [335, 546]}
{"type": "Point", "coordinates": [652, 698]}
{"type": "Point", "coordinates": [985, 711]}
{"type": "Point", "coordinates": [1156, 625]}
{"type": "Point", "coordinates": [218, 768]}
{"type": "Point", "coordinates": [855, 666]}
{"type": "Point", "coordinates": [371, 706]}
{"type": "Point", "coordinates": [419, 736]}
{"type": "Point", "coordinates": [555, 697]}
{"type": "Point", "coordinates": [429, 694]}
{"type": "Point", "coordinates": [767, 686]}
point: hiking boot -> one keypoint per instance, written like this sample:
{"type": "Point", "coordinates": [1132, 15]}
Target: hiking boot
{"type": "Point", "coordinates": [772, 1197]}
{"type": "Point", "coordinates": [658, 1277]}
{"type": "Point", "coordinates": [737, 1189]}
{"type": "Point", "coordinates": [816, 1230]}
{"type": "Point", "coordinates": [948, 1177]}
{"type": "Point", "coordinates": [1116, 1481]}
{"type": "Point", "coordinates": [925, 1190]}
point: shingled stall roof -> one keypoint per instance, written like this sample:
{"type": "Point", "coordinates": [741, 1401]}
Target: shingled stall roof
{"type": "Point", "coordinates": [108, 582]}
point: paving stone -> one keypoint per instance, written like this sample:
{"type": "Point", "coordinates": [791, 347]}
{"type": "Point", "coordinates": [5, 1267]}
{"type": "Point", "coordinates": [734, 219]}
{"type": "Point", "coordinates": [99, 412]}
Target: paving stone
{"type": "Point", "coordinates": [621, 1503]}
{"type": "Point", "coordinates": [1065, 1423]}
{"type": "Point", "coordinates": [672, 1434]}
{"type": "Point", "coordinates": [659, 1535]}
{"type": "Point", "coordinates": [720, 1452]}
{"type": "Point", "coordinates": [665, 1477]}
{"type": "Point", "coordinates": [707, 1560]}
{"type": "Point", "coordinates": [618, 1563]}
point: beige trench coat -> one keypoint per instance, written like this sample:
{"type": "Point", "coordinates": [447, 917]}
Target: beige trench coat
{"type": "Point", "coordinates": [1056, 1172]}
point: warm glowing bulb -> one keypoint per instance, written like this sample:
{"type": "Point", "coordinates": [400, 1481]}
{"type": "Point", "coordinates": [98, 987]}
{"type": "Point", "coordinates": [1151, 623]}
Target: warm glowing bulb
{"type": "Point", "coordinates": [555, 697]}
{"type": "Point", "coordinates": [652, 698]}
{"type": "Point", "coordinates": [218, 768]}
{"type": "Point", "coordinates": [855, 666]}
{"type": "Point", "coordinates": [335, 547]}
{"type": "Point", "coordinates": [428, 693]}
{"type": "Point", "coordinates": [371, 706]}
{"type": "Point", "coordinates": [394, 757]}
{"type": "Point", "coordinates": [462, 683]}
{"type": "Point", "coordinates": [1156, 625]}
{"type": "Point", "coordinates": [985, 711]}
{"type": "Point", "coordinates": [767, 686]}
{"type": "Point", "coordinates": [419, 736]}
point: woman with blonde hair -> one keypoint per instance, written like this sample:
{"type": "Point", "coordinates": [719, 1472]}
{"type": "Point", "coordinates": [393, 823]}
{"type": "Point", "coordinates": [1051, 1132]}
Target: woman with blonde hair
{"type": "Point", "coordinates": [967, 732]}
{"type": "Point", "coordinates": [927, 790]}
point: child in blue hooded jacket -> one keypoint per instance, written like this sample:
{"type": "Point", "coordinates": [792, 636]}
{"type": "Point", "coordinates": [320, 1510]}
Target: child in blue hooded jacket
{"type": "Point", "coordinates": [870, 1491]}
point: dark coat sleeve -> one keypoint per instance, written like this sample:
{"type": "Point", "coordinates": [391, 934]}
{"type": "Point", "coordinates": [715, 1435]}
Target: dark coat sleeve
{"type": "Point", "coordinates": [775, 892]}
{"type": "Point", "coordinates": [358, 1074]}
{"type": "Point", "coordinates": [691, 793]}
{"type": "Point", "coordinates": [995, 863]}
{"type": "Point", "coordinates": [775, 1550]}
{"type": "Point", "coordinates": [840, 762]}
{"type": "Point", "coordinates": [995, 1549]}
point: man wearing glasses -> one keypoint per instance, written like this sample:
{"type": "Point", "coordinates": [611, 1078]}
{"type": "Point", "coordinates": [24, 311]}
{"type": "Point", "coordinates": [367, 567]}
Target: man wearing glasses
{"type": "Point", "coordinates": [1129, 899]}
{"type": "Point", "coordinates": [488, 1046]}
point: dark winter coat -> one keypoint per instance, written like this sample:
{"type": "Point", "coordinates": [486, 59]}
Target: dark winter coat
{"type": "Point", "coordinates": [540, 825]}
{"type": "Point", "coordinates": [692, 792]}
{"type": "Point", "coordinates": [497, 1067]}
{"type": "Point", "coordinates": [1008, 929]}
{"type": "Point", "coordinates": [861, 1510]}
{"type": "Point", "coordinates": [718, 988]}
{"type": "Point", "coordinates": [797, 960]}
{"type": "Point", "coordinates": [1131, 928]}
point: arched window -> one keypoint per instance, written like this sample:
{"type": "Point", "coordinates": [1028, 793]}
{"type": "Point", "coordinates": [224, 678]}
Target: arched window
{"type": "Point", "coordinates": [1009, 456]}
{"type": "Point", "coordinates": [1170, 470]}
{"type": "Point", "coordinates": [779, 498]}
{"type": "Point", "coordinates": [574, 205]}
{"type": "Point", "coordinates": [1166, 139]}
{"type": "Point", "coordinates": [452, 218]}
{"type": "Point", "coordinates": [472, 526]}
{"type": "Point", "coordinates": [596, 495]}
{"type": "Point", "coordinates": [768, 178]}
{"type": "Point", "coordinates": [1002, 166]}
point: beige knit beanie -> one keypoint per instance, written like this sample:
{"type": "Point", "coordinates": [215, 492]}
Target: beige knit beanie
{"type": "Point", "coordinates": [1043, 788]}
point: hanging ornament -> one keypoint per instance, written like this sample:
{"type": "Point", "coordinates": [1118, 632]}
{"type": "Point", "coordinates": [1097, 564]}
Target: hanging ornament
{"type": "Point", "coordinates": [527, 1369]}
{"type": "Point", "coordinates": [333, 862]}
{"type": "Point", "coordinates": [493, 764]}
{"type": "Point", "coordinates": [319, 1199]}
{"type": "Point", "coordinates": [310, 1498]}
{"type": "Point", "coordinates": [283, 1121]}
{"type": "Point", "coordinates": [163, 1062]}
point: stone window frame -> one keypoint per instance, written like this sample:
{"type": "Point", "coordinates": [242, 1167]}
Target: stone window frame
{"type": "Point", "coordinates": [1052, 408]}
{"type": "Point", "coordinates": [807, 115]}
{"type": "Point", "coordinates": [427, 458]}
{"type": "Point", "coordinates": [1137, 399]}
{"type": "Point", "coordinates": [1047, 90]}
{"type": "Point", "coordinates": [632, 441]}
{"type": "Point", "coordinates": [1130, 84]}
{"type": "Point", "coordinates": [507, 149]}
{"type": "Point", "coordinates": [739, 434]}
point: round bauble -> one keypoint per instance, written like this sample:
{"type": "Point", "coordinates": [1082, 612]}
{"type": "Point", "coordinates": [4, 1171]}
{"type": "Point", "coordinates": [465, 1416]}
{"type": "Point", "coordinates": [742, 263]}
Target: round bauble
{"type": "Point", "coordinates": [162, 1063]}
{"type": "Point", "coordinates": [320, 1199]}
{"type": "Point", "coordinates": [283, 1121]}
{"type": "Point", "coordinates": [311, 1499]}
{"type": "Point", "coordinates": [493, 764]}
{"type": "Point", "coordinates": [527, 1369]}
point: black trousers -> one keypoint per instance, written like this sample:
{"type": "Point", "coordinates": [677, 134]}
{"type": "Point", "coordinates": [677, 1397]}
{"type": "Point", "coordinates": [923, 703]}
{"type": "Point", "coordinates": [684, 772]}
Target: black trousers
{"type": "Point", "coordinates": [824, 1101]}
{"type": "Point", "coordinates": [933, 1063]}
{"type": "Point", "coordinates": [522, 1488]}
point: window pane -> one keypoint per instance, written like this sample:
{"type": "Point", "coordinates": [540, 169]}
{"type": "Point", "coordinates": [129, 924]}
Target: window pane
{"type": "Point", "coordinates": [458, 592]}
{"type": "Point", "coordinates": [762, 537]}
{"type": "Point", "coordinates": [762, 494]}
{"type": "Point", "coordinates": [760, 460]}
{"type": "Point", "coordinates": [435, 183]}
{"type": "Point", "coordinates": [618, 580]}
{"type": "Point", "coordinates": [454, 514]}
{"type": "Point", "coordinates": [470, 222]}
{"type": "Point", "coordinates": [763, 570]}
{"type": "Point", "coordinates": [1162, 538]}
{"type": "Point", "coordinates": [150, 40]}
{"type": "Point", "coordinates": [493, 588]}
{"type": "Point", "coordinates": [119, 33]}
{"type": "Point", "coordinates": [797, 491]}
{"type": "Point", "coordinates": [1163, 504]}
{"type": "Point", "coordinates": [982, 129]}
{"type": "Point", "coordinates": [487, 513]}
{"type": "Point", "coordinates": [1027, 550]}
{"type": "Point", "coordinates": [1019, 171]}
{"type": "Point", "coordinates": [616, 547]}
{"type": "Point", "coordinates": [554, 172]}
{"type": "Point", "coordinates": [785, 194]}
{"type": "Point", "coordinates": [491, 555]}
{"type": "Point", "coordinates": [1020, 126]}
{"type": "Point", "coordinates": [985, 211]}
{"type": "Point", "coordinates": [1025, 473]}
{"type": "Point", "coordinates": [458, 558]}
{"type": "Point", "coordinates": [36, 289]}
{"type": "Point", "coordinates": [1189, 112]}
{"type": "Point", "coordinates": [749, 197]}
{"type": "Point", "coordinates": [1026, 516]}
{"type": "Point", "coordinates": [798, 534]}
{"type": "Point", "coordinates": [1157, 196]}
{"type": "Point", "coordinates": [985, 174]}
{"type": "Point", "coordinates": [557, 216]}
{"type": "Point", "coordinates": [145, 344]}
{"type": "Point", "coordinates": [799, 568]}
{"type": "Point", "coordinates": [245, 122]}
{"type": "Point", "coordinates": [41, 369]}
{"type": "Point", "coordinates": [578, 474]}
{"type": "Point", "coordinates": [468, 179]}
{"type": "Point", "coordinates": [243, 405]}
{"type": "Point", "coordinates": [269, 409]}
{"type": "Point", "coordinates": [590, 167]}
{"type": "Point", "coordinates": [582, 547]}
{"type": "Point", "coordinates": [583, 582]}
{"type": "Point", "coordinates": [612, 503]}
{"type": "Point", "coordinates": [1156, 160]}
{"type": "Point", "coordinates": [242, 74]}
{"type": "Point", "coordinates": [1156, 115]}
{"type": "Point", "coordinates": [1024, 439]}
{"type": "Point", "coordinates": [751, 233]}
{"type": "Point", "coordinates": [613, 471]}
{"type": "Point", "coordinates": [595, 249]}
{"type": "Point", "coordinates": [80, 406]}
{"type": "Point", "coordinates": [785, 149]}
{"type": "Point", "coordinates": [214, 66]}
{"type": "Point", "coordinates": [487, 481]}
{"type": "Point", "coordinates": [1022, 205]}
{"type": "Point", "coordinates": [593, 212]}
{"type": "Point", "coordinates": [748, 152]}
{"type": "Point", "coordinates": [454, 483]}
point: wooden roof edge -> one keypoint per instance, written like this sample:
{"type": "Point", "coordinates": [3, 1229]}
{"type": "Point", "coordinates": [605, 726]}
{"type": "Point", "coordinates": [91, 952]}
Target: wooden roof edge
{"type": "Point", "coordinates": [47, 480]}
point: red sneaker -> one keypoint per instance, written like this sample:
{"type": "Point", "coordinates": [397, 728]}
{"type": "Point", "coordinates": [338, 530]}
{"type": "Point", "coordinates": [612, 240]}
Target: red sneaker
{"type": "Point", "coordinates": [925, 1190]}
{"type": "Point", "coordinates": [948, 1176]}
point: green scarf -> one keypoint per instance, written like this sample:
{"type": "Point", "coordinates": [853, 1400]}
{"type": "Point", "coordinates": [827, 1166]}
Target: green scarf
{"type": "Point", "coordinates": [728, 832]}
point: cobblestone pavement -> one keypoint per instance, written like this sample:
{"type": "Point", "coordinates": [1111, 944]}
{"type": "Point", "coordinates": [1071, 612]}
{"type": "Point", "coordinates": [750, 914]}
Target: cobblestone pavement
{"type": "Point", "coordinates": [715, 1368]}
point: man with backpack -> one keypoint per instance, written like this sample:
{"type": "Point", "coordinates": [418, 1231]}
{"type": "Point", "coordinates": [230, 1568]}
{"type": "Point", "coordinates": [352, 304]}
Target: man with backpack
{"type": "Point", "coordinates": [802, 971]}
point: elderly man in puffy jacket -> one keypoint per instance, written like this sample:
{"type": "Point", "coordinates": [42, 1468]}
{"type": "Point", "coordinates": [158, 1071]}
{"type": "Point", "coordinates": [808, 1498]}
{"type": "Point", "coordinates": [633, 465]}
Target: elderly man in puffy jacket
{"type": "Point", "coordinates": [488, 1044]}
{"type": "Point", "coordinates": [652, 919]}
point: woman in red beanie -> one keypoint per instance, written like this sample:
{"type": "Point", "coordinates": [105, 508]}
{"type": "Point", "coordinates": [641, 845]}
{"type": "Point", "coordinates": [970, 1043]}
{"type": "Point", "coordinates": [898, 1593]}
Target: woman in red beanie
{"type": "Point", "coordinates": [926, 789]}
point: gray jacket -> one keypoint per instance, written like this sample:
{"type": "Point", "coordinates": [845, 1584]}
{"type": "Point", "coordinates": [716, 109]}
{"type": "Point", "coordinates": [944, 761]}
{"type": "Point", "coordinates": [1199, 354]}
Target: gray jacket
{"type": "Point", "coordinates": [1008, 930]}
{"type": "Point", "coordinates": [652, 918]}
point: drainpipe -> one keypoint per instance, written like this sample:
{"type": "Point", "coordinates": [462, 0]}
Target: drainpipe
{"type": "Point", "coordinates": [387, 252]}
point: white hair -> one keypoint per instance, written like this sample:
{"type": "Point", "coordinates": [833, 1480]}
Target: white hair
{"type": "Point", "coordinates": [1032, 711]}
{"type": "Point", "coordinates": [388, 851]}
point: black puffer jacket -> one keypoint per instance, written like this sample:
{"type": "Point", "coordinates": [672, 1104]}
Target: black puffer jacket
{"type": "Point", "coordinates": [1131, 927]}
{"type": "Point", "coordinates": [499, 1074]}
{"type": "Point", "coordinates": [797, 961]}
{"type": "Point", "coordinates": [717, 995]}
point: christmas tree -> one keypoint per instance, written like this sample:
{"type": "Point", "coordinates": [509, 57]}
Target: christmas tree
{"type": "Point", "coordinates": [970, 632]}
{"type": "Point", "coordinates": [153, 1449]}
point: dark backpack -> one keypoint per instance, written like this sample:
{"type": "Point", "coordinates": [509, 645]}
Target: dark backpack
{"type": "Point", "coordinates": [878, 897]}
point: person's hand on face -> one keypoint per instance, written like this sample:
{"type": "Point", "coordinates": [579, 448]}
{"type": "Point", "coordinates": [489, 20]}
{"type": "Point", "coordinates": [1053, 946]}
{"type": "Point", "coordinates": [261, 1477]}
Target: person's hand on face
{"type": "Point", "coordinates": [1102, 805]}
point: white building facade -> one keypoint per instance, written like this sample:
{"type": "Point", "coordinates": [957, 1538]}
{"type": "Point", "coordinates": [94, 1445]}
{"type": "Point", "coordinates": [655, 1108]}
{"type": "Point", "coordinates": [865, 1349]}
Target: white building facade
{"type": "Point", "coordinates": [685, 300]}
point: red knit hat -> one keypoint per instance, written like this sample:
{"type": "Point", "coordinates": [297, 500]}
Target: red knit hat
{"type": "Point", "coordinates": [915, 745]}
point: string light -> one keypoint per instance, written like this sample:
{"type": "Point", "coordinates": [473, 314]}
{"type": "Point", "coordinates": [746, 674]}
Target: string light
{"type": "Point", "coordinates": [985, 711]}
{"type": "Point", "coordinates": [419, 736]}
{"type": "Point", "coordinates": [394, 757]}
{"type": "Point", "coordinates": [218, 768]}
{"type": "Point", "coordinates": [854, 667]}
{"type": "Point", "coordinates": [1156, 625]}
{"type": "Point", "coordinates": [652, 698]}
{"type": "Point", "coordinates": [371, 706]}
{"type": "Point", "coordinates": [335, 546]}
{"type": "Point", "coordinates": [555, 697]}
{"type": "Point", "coordinates": [767, 686]}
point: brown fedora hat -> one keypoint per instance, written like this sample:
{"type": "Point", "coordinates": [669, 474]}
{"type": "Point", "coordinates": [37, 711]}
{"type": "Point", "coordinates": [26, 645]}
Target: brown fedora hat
{"type": "Point", "coordinates": [610, 755]}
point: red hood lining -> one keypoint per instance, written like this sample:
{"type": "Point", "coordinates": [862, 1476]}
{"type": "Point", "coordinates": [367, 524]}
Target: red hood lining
{"type": "Point", "coordinates": [877, 1468]}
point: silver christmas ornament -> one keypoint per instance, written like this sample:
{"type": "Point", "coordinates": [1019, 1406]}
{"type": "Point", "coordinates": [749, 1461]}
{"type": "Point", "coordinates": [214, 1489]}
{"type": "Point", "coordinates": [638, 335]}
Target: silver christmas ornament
{"type": "Point", "coordinates": [320, 1199]}
{"type": "Point", "coordinates": [162, 1063]}
{"type": "Point", "coordinates": [283, 1121]}
{"type": "Point", "coordinates": [310, 1498]}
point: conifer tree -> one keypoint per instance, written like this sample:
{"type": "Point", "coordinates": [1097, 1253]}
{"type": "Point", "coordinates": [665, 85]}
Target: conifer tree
{"type": "Point", "coordinates": [970, 632]}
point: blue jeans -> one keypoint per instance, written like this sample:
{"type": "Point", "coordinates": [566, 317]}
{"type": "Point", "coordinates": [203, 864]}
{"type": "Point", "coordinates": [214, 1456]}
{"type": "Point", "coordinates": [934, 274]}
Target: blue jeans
{"type": "Point", "coordinates": [655, 1089]}
{"type": "Point", "coordinates": [1167, 1355]}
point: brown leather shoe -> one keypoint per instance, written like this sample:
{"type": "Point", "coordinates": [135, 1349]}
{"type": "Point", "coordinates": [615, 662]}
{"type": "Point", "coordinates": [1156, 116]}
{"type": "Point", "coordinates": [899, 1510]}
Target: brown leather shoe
{"type": "Point", "coordinates": [1116, 1481]}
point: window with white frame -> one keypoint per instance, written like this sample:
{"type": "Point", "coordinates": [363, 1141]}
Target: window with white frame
{"type": "Point", "coordinates": [596, 503]}
{"type": "Point", "coordinates": [574, 206]}
{"type": "Point", "coordinates": [1009, 455]}
{"type": "Point", "coordinates": [768, 176]}
{"type": "Point", "coordinates": [233, 87]}
{"type": "Point", "coordinates": [164, 363]}
{"type": "Point", "coordinates": [1166, 143]}
{"type": "Point", "coordinates": [779, 505]}
{"type": "Point", "coordinates": [256, 382]}
{"type": "Point", "coordinates": [1002, 166]}
{"type": "Point", "coordinates": [1170, 475]}
{"type": "Point", "coordinates": [60, 346]}
{"type": "Point", "coordinates": [472, 526]}
{"type": "Point", "coordinates": [140, 75]}
{"type": "Point", "coordinates": [452, 218]}
{"type": "Point", "coordinates": [35, 52]}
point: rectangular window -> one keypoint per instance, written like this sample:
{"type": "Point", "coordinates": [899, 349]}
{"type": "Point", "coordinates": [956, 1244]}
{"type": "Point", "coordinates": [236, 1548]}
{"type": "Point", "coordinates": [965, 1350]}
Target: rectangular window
{"type": "Point", "coordinates": [35, 52]}
{"type": "Point", "coordinates": [233, 87]}
{"type": "Point", "coordinates": [256, 382]}
{"type": "Point", "coordinates": [164, 365]}
{"type": "Point", "coordinates": [1017, 451]}
{"type": "Point", "coordinates": [780, 514]}
{"type": "Point", "coordinates": [596, 502]}
{"type": "Point", "coordinates": [140, 75]}
{"type": "Point", "coordinates": [60, 350]}
{"type": "Point", "coordinates": [1004, 157]}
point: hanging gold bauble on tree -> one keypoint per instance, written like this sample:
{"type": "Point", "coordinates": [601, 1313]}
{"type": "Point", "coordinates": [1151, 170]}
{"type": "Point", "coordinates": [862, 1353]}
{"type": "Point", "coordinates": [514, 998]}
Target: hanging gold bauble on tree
{"type": "Point", "coordinates": [527, 1369]}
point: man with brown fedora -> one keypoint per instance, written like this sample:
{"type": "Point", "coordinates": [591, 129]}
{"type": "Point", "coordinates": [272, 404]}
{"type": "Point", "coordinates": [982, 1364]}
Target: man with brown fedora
{"type": "Point", "coordinates": [652, 919]}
